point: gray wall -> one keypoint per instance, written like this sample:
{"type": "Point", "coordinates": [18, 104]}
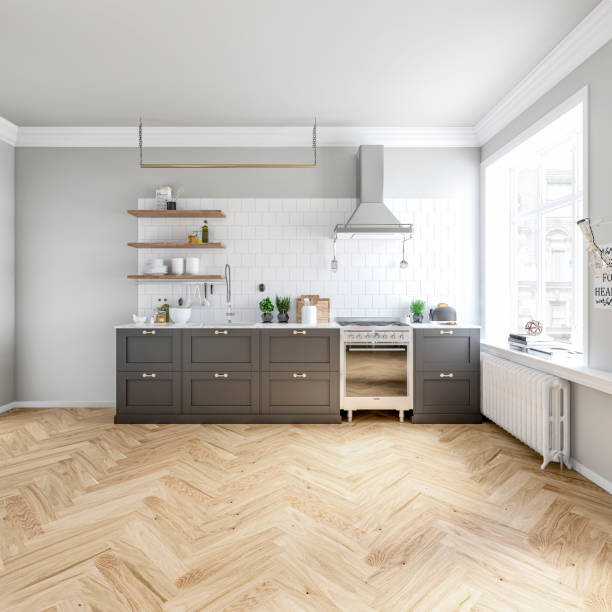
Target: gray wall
{"type": "Point", "coordinates": [7, 273]}
{"type": "Point", "coordinates": [72, 228]}
{"type": "Point", "coordinates": [592, 410]}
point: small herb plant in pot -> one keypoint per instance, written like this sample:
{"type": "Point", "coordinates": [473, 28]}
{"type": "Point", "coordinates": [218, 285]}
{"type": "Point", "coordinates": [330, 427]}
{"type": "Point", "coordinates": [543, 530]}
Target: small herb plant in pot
{"type": "Point", "coordinates": [282, 305]}
{"type": "Point", "coordinates": [417, 307]}
{"type": "Point", "coordinates": [267, 307]}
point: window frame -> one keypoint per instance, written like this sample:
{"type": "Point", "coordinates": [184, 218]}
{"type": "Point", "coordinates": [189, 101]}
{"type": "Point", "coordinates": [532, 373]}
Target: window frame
{"type": "Point", "coordinates": [581, 281]}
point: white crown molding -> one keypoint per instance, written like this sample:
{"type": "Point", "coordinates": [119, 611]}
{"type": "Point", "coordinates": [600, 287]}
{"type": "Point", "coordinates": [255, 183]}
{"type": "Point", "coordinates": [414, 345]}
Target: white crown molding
{"type": "Point", "coordinates": [8, 132]}
{"type": "Point", "coordinates": [245, 136]}
{"type": "Point", "coordinates": [592, 33]}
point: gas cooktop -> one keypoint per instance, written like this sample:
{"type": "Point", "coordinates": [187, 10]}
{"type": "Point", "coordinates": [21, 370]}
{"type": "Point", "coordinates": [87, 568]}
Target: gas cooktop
{"type": "Point", "coordinates": [369, 322]}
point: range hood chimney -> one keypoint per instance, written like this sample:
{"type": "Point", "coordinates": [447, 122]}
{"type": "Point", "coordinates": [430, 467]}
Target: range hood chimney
{"type": "Point", "coordinates": [372, 218]}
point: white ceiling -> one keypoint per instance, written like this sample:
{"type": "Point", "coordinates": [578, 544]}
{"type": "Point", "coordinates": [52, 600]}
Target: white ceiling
{"type": "Point", "coordinates": [270, 62]}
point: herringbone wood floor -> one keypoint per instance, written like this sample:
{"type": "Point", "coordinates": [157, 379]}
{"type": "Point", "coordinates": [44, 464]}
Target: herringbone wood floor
{"type": "Point", "coordinates": [370, 516]}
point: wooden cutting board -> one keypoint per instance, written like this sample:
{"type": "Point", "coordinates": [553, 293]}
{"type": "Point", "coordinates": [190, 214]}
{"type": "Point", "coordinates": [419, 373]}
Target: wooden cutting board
{"type": "Point", "coordinates": [322, 304]}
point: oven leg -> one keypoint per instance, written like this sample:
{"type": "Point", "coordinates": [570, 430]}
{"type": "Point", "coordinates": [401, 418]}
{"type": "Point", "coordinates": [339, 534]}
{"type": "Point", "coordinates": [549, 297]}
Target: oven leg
{"type": "Point", "coordinates": [401, 416]}
{"type": "Point", "coordinates": [350, 416]}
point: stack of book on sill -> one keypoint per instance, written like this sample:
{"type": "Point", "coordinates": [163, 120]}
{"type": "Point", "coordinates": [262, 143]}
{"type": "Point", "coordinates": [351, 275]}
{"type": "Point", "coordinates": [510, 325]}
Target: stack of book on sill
{"type": "Point", "coordinates": [540, 346]}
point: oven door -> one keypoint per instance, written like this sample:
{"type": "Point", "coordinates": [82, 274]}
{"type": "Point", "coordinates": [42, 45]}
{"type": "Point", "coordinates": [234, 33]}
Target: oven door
{"type": "Point", "coordinates": [376, 370]}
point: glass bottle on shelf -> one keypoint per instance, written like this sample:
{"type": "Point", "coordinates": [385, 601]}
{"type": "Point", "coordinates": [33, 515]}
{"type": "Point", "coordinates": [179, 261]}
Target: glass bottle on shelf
{"type": "Point", "coordinates": [204, 232]}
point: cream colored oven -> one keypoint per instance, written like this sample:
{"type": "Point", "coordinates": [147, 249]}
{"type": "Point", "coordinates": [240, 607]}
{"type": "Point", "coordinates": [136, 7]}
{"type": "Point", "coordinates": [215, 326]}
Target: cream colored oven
{"type": "Point", "coordinates": [376, 370]}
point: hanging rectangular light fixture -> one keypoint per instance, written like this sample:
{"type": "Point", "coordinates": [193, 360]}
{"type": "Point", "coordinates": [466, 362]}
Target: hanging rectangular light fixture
{"type": "Point", "coordinates": [312, 165]}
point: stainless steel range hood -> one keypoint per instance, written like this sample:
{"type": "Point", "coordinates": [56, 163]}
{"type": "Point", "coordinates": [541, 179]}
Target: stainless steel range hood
{"type": "Point", "coordinates": [372, 218]}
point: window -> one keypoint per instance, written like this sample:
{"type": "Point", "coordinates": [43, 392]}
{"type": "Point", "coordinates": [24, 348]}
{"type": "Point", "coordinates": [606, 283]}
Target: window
{"type": "Point", "coordinates": [533, 196]}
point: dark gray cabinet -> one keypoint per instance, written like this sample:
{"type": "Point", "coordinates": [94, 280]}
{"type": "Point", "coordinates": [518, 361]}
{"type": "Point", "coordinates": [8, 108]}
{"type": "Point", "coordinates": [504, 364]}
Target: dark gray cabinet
{"type": "Point", "coordinates": [446, 376]}
{"type": "Point", "coordinates": [221, 393]}
{"type": "Point", "coordinates": [228, 375]}
{"type": "Point", "coordinates": [224, 348]}
{"type": "Point", "coordinates": [447, 348]}
{"type": "Point", "coordinates": [300, 393]}
{"type": "Point", "coordinates": [300, 349]}
{"type": "Point", "coordinates": [142, 349]}
{"type": "Point", "coordinates": [144, 393]}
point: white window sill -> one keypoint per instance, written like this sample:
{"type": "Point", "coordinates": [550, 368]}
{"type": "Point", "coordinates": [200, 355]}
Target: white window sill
{"type": "Point", "coordinates": [570, 367]}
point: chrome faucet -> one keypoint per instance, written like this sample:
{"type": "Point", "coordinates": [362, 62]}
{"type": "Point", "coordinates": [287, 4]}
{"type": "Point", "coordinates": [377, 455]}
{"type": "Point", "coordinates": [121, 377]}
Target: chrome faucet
{"type": "Point", "coordinates": [229, 313]}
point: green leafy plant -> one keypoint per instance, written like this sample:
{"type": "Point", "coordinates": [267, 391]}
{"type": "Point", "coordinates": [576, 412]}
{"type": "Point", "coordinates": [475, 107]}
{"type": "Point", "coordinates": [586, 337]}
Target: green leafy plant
{"type": "Point", "coordinates": [283, 303]}
{"type": "Point", "coordinates": [266, 305]}
{"type": "Point", "coordinates": [417, 306]}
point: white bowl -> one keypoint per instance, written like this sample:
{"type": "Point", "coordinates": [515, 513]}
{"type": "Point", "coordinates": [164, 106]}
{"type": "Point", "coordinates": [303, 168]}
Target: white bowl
{"type": "Point", "coordinates": [180, 315]}
{"type": "Point", "coordinates": [139, 320]}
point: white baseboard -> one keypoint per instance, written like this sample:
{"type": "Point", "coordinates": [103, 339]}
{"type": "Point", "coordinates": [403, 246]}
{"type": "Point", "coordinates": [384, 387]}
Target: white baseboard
{"type": "Point", "coordinates": [600, 481]}
{"type": "Point", "coordinates": [8, 407]}
{"type": "Point", "coordinates": [56, 404]}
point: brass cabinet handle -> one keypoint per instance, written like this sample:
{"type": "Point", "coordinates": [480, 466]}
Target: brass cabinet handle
{"type": "Point", "coordinates": [146, 332]}
{"type": "Point", "coordinates": [299, 375]}
{"type": "Point", "coordinates": [220, 332]}
{"type": "Point", "coordinates": [224, 375]}
{"type": "Point", "coordinates": [449, 375]}
{"type": "Point", "coordinates": [445, 332]}
{"type": "Point", "coordinates": [299, 332]}
{"type": "Point", "coordinates": [145, 375]}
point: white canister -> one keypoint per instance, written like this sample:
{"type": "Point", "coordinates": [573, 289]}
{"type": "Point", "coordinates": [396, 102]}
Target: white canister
{"type": "Point", "coordinates": [309, 313]}
{"type": "Point", "coordinates": [192, 265]}
{"type": "Point", "coordinates": [177, 265]}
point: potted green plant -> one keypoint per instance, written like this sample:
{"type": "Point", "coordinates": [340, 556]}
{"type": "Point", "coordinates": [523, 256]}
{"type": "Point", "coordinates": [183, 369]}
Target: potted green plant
{"type": "Point", "coordinates": [267, 307]}
{"type": "Point", "coordinates": [417, 307]}
{"type": "Point", "coordinates": [282, 305]}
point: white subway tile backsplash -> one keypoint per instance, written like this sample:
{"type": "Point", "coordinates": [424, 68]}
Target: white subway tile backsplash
{"type": "Point", "coordinates": [286, 244]}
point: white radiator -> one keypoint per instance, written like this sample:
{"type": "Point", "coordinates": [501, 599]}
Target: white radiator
{"type": "Point", "coordinates": [531, 405]}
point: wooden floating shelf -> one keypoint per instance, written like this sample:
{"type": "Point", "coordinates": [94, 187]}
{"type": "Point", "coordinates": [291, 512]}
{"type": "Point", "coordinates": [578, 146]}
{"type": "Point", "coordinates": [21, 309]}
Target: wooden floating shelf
{"type": "Point", "coordinates": [177, 214]}
{"type": "Point", "coordinates": [177, 276]}
{"type": "Point", "coordinates": [177, 245]}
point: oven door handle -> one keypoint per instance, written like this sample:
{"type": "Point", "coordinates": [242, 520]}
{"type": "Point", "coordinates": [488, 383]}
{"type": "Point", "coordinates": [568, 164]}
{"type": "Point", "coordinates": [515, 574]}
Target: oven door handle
{"type": "Point", "coordinates": [376, 350]}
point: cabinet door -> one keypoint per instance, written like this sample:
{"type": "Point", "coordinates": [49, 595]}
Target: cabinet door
{"type": "Point", "coordinates": [446, 397]}
{"type": "Point", "coordinates": [446, 348]}
{"type": "Point", "coordinates": [300, 393]}
{"type": "Point", "coordinates": [220, 349]}
{"type": "Point", "coordinates": [150, 392]}
{"type": "Point", "coordinates": [221, 392]}
{"type": "Point", "coordinates": [144, 349]}
{"type": "Point", "coordinates": [306, 349]}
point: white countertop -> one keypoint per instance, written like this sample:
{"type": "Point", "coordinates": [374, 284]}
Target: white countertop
{"type": "Point", "coordinates": [223, 324]}
{"type": "Point", "coordinates": [332, 325]}
{"type": "Point", "coordinates": [440, 326]}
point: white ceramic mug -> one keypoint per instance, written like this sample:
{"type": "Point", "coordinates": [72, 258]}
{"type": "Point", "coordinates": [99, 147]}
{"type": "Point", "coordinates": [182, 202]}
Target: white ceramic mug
{"type": "Point", "coordinates": [192, 265]}
{"type": "Point", "coordinates": [177, 265]}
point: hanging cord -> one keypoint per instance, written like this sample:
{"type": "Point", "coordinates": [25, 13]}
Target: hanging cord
{"type": "Point", "coordinates": [593, 247]}
{"type": "Point", "coordinates": [140, 139]}
{"type": "Point", "coordinates": [314, 141]}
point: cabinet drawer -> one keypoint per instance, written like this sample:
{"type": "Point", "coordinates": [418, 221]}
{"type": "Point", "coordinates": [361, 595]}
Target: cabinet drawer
{"type": "Point", "coordinates": [221, 392]}
{"type": "Point", "coordinates": [142, 349]}
{"type": "Point", "coordinates": [289, 350]}
{"type": "Point", "coordinates": [300, 392]}
{"type": "Point", "coordinates": [447, 348]}
{"type": "Point", "coordinates": [223, 348]}
{"type": "Point", "coordinates": [151, 392]}
{"type": "Point", "coordinates": [446, 392]}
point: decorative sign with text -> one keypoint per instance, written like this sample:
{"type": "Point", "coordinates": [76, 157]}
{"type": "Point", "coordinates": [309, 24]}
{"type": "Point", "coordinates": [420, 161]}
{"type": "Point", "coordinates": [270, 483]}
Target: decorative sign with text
{"type": "Point", "coordinates": [602, 284]}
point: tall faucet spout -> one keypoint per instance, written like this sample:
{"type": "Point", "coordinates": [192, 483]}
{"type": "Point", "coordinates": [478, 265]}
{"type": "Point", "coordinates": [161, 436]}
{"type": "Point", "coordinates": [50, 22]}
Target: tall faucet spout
{"type": "Point", "coordinates": [228, 293]}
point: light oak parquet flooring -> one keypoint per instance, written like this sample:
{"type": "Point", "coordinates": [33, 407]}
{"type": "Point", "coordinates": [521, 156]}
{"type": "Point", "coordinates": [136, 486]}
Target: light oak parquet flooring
{"type": "Point", "coordinates": [375, 515]}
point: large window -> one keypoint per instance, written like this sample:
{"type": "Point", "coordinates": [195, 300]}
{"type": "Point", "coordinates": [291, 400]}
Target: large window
{"type": "Point", "coordinates": [533, 196]}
